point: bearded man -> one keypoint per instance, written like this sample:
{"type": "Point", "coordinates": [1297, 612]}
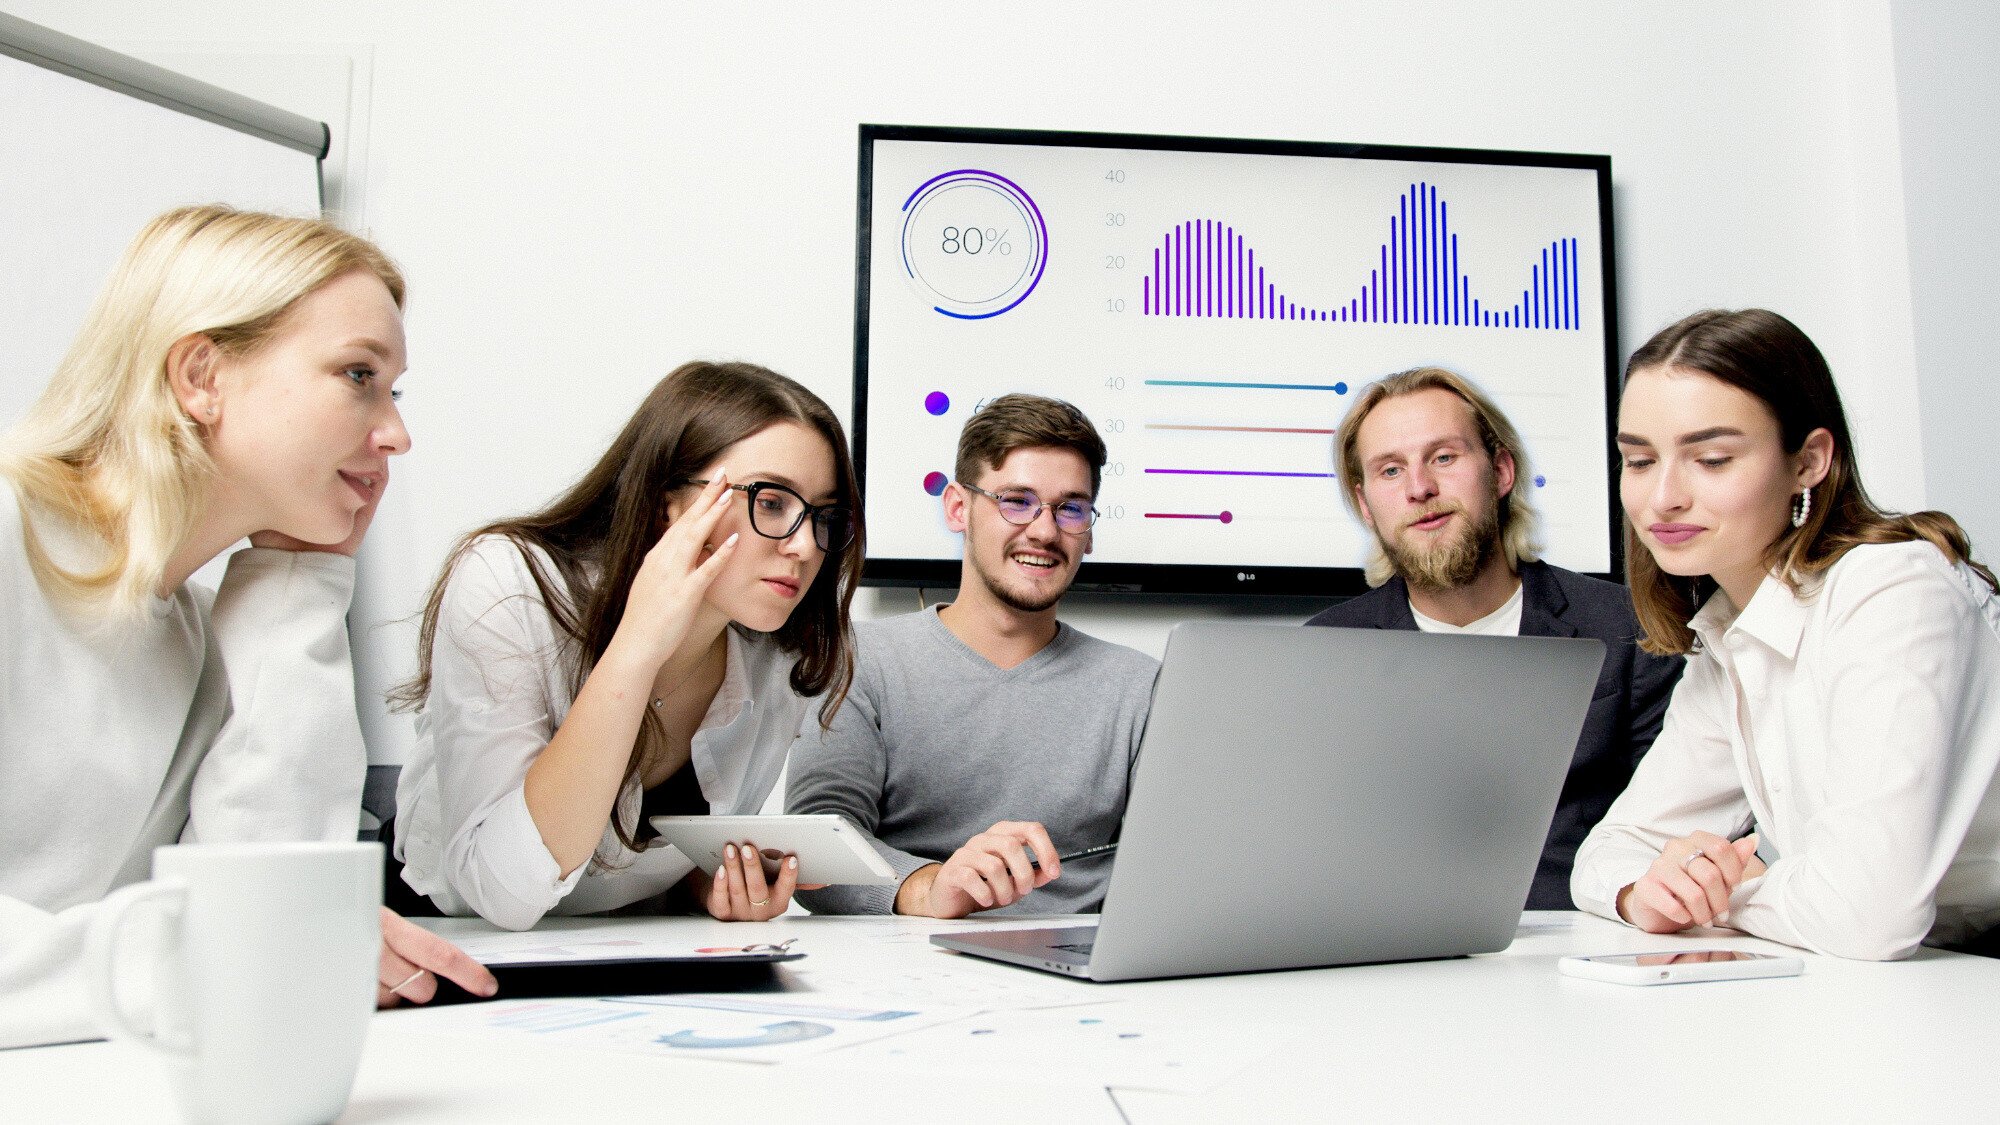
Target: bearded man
{"type": "Point", "coordinates": [1437, 473]}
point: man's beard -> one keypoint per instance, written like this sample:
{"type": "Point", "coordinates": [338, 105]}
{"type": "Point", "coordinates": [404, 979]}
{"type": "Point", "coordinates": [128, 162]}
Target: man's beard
{"type": "Point", "coordinates": [1450, 563]}
{"type": "Point", "coordinates": [1018, 602]}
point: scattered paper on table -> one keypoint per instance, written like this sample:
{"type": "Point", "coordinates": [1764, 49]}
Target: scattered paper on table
{"type": "Point", "coordinates": [936, 986]}
{"type": "Point", "coordinates": [1110, 1046]}
{"type": "Point", "coordinates": [551, 948]}
{"type": "Point", "coordinates": [918, 931]}
{"type": "Point", "coordinates": [747, 1028]}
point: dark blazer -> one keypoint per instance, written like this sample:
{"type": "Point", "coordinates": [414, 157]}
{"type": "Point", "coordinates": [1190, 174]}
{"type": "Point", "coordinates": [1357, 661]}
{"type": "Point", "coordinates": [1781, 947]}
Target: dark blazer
{"type": "Point", "coordinates": [1625, 713]}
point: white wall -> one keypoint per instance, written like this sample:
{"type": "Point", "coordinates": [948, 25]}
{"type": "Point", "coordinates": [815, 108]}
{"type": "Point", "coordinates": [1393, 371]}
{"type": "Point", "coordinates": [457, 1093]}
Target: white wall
{"type": "Point", "coordinates": [585, 195]}
{"type": "Point", "coordinates": [1948, 100]}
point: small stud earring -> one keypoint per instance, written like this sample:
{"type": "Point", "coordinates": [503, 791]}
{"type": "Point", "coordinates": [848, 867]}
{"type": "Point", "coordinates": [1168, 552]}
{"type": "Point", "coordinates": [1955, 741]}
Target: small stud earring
{"type": "Point", "coordinates": [1803, 508]}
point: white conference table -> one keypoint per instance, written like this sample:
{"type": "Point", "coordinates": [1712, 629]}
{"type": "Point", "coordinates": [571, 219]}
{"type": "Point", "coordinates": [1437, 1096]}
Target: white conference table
{"type": "Point", "coordinates": [1499, 1036]}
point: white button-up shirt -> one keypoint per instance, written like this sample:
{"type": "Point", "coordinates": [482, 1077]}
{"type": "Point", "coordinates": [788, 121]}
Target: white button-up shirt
{"type": "Point", "coordinates": [499, 690]}
{"type": "Point", "coordinates": [1859, 728]}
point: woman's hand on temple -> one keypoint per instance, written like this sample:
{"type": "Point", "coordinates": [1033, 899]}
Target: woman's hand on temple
{"type": "Point", "coordinates": [668, 589]}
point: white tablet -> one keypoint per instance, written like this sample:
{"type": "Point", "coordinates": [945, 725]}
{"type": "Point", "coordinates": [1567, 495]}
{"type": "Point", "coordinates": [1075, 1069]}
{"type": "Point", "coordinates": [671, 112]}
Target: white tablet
{"type": "Point", "coordinates": [830, 849]}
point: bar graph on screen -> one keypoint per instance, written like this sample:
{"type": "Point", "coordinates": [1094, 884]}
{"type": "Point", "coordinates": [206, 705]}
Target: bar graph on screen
{"type": "Point", "coordinates": [1207, 268]}
{"type": "Point", "coordinates": [1215, 307]}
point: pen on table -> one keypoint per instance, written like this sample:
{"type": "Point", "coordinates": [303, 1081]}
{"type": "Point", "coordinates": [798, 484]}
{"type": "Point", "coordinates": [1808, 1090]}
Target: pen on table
{"type": "Point", "coordinates": [1080, 853]}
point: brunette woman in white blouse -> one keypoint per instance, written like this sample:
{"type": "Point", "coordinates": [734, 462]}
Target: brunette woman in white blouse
{"type": "Point", "coordinates": [646, 644]}
{"type": "Point", "coordinates": [232, 380]}
{"type": "Point", "coordinates": [1843, 682]}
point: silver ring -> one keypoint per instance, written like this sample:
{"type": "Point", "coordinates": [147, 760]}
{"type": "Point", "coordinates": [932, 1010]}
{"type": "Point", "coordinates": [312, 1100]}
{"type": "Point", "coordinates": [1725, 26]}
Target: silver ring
{"type": "Point", "coordinates": [398, 989]}
{"type": "Point", "coordinates": [1689, 861]}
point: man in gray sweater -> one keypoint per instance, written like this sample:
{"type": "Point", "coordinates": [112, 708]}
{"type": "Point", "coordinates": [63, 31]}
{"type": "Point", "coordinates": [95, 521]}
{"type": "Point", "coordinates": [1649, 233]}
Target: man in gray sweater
{"type": "Point", "coordinates": [983, 739]}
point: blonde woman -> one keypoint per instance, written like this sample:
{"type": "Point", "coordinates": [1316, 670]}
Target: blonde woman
{"type": "Point", "coordinates": [234, 379]}
{"type": "Point", "coordinates": [1843, 669]}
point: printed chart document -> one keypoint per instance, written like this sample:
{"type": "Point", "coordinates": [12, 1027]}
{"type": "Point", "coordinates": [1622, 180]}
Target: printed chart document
{"type": "Point", "coordinates": [545, 948]}
{"type": "Point", "coordinates": [1120, 1046]}
{"type": "Point", "coordinates": [932, 986]}
{"type": "Point", "coordinates": [744, 1027]}
{"type": "Point", "coordinates": [871, 997]}
{"type": "Point", "coordinates": [594, 959]}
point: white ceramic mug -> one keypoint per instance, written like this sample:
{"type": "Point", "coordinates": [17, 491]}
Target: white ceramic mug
{"type": "Point", "coordinates": [265, 974]}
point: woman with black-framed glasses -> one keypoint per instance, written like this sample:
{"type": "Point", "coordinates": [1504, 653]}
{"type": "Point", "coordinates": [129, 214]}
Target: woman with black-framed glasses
{"type": "Point", "coordinates": [776, 512]}
{"type": "Point", "coordinates": [646, 645]}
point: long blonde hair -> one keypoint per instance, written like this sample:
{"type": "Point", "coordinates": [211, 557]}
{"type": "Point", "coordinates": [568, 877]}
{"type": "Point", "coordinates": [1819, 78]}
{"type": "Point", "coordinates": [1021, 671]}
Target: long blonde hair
{"type": "Point", "coordinates": [108, 446]}
{"type": "Point", "coordinates": [1770, 358]}
{"type": "Point", "coordinates": [1520, 526]}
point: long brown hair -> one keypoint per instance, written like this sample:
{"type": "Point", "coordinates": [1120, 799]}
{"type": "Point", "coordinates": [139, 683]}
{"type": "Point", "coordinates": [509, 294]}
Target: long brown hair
{"type": "Point", "coordinates": [1768, 357]}
{"type": "Point", "coordinates": [598, 532]}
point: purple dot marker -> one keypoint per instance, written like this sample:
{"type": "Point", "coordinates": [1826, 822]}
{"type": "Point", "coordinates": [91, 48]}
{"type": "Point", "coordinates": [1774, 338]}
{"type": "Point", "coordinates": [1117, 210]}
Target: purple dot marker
{"type": "Point", "coordinates": [934, 483]}
{"type": "Point", "coordinates": [1541, 481]}
{"type": "Point", "coordinates": [937, 402]}
{"type": "Point", "coordinates": [1226, 517]}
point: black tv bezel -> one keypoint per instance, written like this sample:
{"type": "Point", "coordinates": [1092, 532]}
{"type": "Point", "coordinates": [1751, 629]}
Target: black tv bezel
{"type": "Point", "coordinates": [1203, 578]}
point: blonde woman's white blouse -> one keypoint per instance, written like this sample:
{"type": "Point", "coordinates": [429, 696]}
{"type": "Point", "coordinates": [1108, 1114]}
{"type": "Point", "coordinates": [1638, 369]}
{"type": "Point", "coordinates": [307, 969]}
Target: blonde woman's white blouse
{"type": "Point", "coordinates": [1859, 729]}
{"type": "Point", "coordinates": [498, 693]}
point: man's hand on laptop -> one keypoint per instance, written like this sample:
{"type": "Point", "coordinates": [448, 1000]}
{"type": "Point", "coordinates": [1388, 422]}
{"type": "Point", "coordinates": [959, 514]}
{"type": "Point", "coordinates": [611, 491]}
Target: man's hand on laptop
{"type": "Point", "coordinates": [995, 868]}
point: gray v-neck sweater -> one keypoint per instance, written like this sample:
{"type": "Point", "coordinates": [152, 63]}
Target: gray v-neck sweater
{"type": "Point", "coordinates": [935, 744]}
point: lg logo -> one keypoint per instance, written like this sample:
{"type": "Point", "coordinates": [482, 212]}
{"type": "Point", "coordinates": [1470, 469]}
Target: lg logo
{"type": "Point", "coordinates": [1246, 576]}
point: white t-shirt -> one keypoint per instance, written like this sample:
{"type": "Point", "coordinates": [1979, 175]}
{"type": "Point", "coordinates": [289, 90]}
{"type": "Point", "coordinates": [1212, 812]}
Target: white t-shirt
{"type": "Point", "coordinates": [1502, 622]}
{"type": "Point", "coordinates": [218, 717]}
{"type": "Point", "coordinates": [499, 691]}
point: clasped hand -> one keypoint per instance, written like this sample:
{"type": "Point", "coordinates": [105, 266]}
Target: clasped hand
{"type": "Point", "coordinates": [1690, 883]}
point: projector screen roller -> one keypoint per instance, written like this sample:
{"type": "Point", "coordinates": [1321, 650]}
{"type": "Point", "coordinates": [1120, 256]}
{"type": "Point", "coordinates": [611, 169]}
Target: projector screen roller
{"type": "Point", "coordinates": [96, 145]}
{"type": "Point", "coordinates": [1213, 306]}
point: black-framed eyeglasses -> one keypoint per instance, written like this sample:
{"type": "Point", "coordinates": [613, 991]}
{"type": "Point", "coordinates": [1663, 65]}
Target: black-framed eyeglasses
{"type": "Point", "coordinates": [1021, 506]}
{"type": "Point", "coordinates": [776, 513]}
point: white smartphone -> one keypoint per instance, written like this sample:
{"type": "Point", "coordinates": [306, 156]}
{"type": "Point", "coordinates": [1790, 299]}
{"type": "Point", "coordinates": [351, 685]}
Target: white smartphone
{"type": "Point", "coordinates": [829, 847]}
{"type": "Point", "coordinates": [1680, 966]}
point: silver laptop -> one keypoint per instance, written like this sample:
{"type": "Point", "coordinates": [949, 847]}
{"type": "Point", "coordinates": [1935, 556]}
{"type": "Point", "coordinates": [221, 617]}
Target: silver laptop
{"type": "Point", "coordinates": [1314, 796]}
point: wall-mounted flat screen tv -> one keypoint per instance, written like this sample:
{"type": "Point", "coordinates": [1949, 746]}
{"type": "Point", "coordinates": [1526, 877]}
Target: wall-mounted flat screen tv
{"type": "Point", "coordinates": [1214, 305]}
